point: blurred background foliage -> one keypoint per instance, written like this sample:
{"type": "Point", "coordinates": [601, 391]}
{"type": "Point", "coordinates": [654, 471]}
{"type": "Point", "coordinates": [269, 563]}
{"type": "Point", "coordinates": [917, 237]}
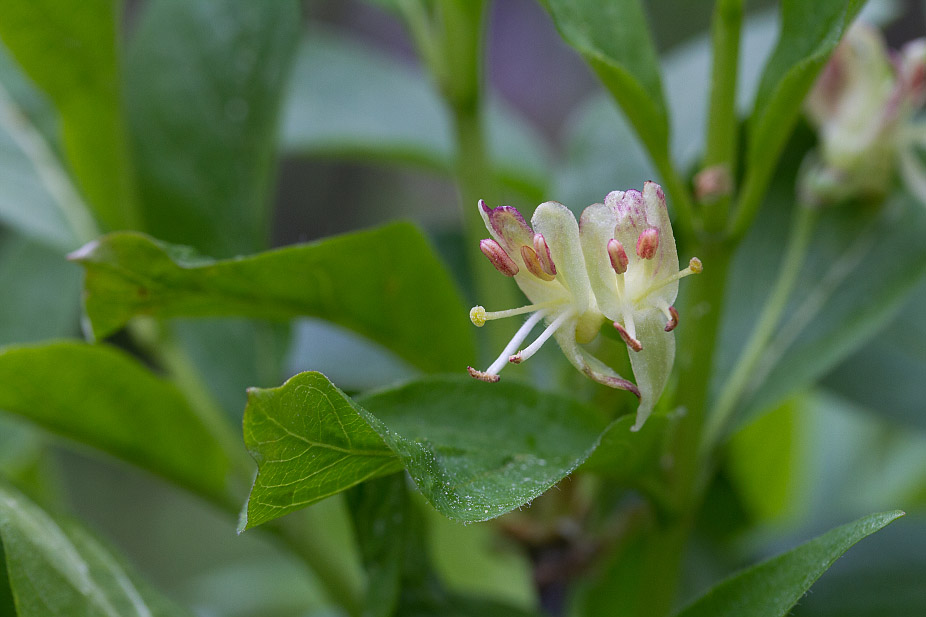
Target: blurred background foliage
{"type": "Point", "coordinates": [247, 129]}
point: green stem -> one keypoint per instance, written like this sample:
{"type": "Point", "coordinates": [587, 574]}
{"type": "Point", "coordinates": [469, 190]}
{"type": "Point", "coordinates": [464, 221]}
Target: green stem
{"type": "Point", "coordinates": [757, 180]}
{"type": "Point", "coordinates": [721, 120]}
{"type": "Point", "coordinates": [698, 329]}
{"type": "Point", "coordinates": [798, 242]}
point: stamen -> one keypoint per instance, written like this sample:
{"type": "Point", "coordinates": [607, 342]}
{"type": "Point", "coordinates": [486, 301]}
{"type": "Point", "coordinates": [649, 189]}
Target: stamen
{"type": "Point", "coordinates": [648, 243]}
{"type": "Point", "coordinates": [694, 267]}
{"type": "Point", "coordinates": [543, 252]}
{"type": "Point", "coordinates": [532, 261]}
{"type": "Point", "coordinates": [633, 343]}
{"type": "Point", "coordinates": [618, 255]}
{"type": "Point", "coordinates": [479, 316]}
{"type": "Point", "coordinates": [531, 349]}
{"type": "Point", "coordinates": [672, 314]}
{"type": "Point", "coordinates": [499, 258]}
{"type": "Point", "coordinates": [491, 373]}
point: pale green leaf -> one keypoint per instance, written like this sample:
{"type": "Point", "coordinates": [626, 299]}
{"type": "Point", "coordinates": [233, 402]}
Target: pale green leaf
{"type": "Point", "coordinates": [69, 49]}
{"type": "Point", "coordinates": [386, 284]}
{"type": "Point", "coordinates": [103, 398]}
{"type": "Point", "coordinates": [772, 587]}
{"type": "Point", "coordinates": [58, 569]}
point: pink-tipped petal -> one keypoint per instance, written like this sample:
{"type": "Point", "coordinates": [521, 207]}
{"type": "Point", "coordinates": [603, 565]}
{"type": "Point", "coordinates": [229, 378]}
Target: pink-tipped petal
{"type": "Point", "coordinates": [543, 253]}
{"type": "Point", "coordinates": [618, 255]}
{"type": "Point", "coordinates": [507, 226]}
{"type": "Point", "coordinates": [499, 258]}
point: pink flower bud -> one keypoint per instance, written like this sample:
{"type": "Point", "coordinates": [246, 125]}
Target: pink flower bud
{"type": "Point", "coordinates": [499, 258]}
{"type": "Point", "coordinates": [647, 243]}
{"type": "Point", "coordinates": [618, 255]}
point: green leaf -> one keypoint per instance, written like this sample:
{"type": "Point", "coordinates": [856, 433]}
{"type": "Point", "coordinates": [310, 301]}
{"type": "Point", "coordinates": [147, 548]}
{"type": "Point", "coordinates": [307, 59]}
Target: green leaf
{"type": "Point", "coordinates": [614, 38]}
{"type": "Point", "coordinates": [810, 32]}
{"type": "Point", "coordinates": [103, 398]}
{"type": "Point", "coordinates": [310, 441]}
{"type": "Point", "coordinates": [386, 284]}
{"type": "Point", "coordinates": [205, 81]}
{"type": "Point", "coordinates": [69, 48]}
{"type": "Point", "coordinates": [886, 375]}
{"type": "Point", "coordinates": [58, 569]}
{"type": "Point", "coordinates": [347, 99]}
{"type": "Point", "coordinates": [772, 587]}
{"type": "Point", "coordinates": [41, 292]}
{"type": "Point", "coordinates": [475, 452]}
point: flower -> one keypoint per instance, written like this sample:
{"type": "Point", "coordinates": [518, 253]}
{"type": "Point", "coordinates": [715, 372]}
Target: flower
{"type": "Point", "coordinates": [617, 264]}
{"type": "Point", "coordinates": [863, 106]}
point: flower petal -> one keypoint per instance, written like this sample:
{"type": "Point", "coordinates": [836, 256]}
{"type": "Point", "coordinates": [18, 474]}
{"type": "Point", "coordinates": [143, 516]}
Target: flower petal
{"type": "Point", "coordinates": [561, 232]}
{"type": "Point", "coordinates": [508, 228]}
{"type": "Point", "coordinates": [652, 364]}
{"type": "Point", "coordinates": [596, 228]}
{"type": "Point", "coordinates": [589, 365]}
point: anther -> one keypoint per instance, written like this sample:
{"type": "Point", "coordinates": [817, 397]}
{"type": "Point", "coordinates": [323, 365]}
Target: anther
{"type": "Point", "coordinates": [647, 243]}
{"type": "Point", "coordinates": [543, 253]}
{"type": "Point", "coordinates": [633, 343]}
{"type": "Point", "coordinates": [618, 255]}
{"type": "Point", "coordinates": [499, 258]}
{"type": "Point", "coordinates": [477, 315]}
{"type": "Point", "coordinates": [532, 262]}
{"type": "Point", "coordinates": [482, 376]}
{"type": "Point", "coordinates": [695, 265]}
{"type": "Point", "coordinates": [673, 319]}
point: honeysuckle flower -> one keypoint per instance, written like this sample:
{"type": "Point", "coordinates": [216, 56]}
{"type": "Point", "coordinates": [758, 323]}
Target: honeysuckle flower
{"type": "Point", "coordinates": [617, 264]}
{"type": "Point", "coordinates": [863, 106]}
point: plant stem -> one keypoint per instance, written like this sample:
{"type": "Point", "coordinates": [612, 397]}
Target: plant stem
{"type": "Point", "coordinates": [698, 333]}
{"type": "Point", "coordinates": [721, 120]}
{"type": "Point", "coordinates": [802, 225]}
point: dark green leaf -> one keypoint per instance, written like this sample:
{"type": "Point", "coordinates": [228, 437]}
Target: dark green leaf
{"type": "Point", "coordinates": [310, 441]}
{"type": "Point", "coordinates": [204, 86]}
{"type": "Point", "coordinates": [886, 376]}
{"type": "Point", "coordinates": [810, 32]}
{"type": "Point", "coordinates": [386, 284]}
{"type": "Point", "coordinates": [58, 569]}
{"type": "Point", "coordinates": [851, 286]}
{"type": "Point", "coordinates": [474, 451]}
{"type": "Point", "coordinates": [614, 38]}
{"type": "Point", "coordinates": [347, 99]}
{"type": "Point", "coordinates": [772, 587]}
{"type": "Point", "coordinates": [69, 48]}
{"type": "Point", "coordinates": [882, 577]}
{"type": "Point", "coordinates": [105, 399]}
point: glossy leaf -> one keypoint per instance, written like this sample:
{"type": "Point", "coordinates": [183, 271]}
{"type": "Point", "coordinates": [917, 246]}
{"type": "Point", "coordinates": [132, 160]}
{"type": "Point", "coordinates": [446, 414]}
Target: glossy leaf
{"type": "Point", "coordinates": [809, 33]}
{"type": "Point", "coordinates": [58, 569]}
{"type": "Point", "coordinates": [614, 38]}
{"type": "Point", "coordinates": [772, 587]}
{"type": "Point", "coordinates": [386, 284]}
{"type": "Point", "coordinates": [105, 399]}
{"type": "Point", "coordinates": [310, 441]}
{"type": "Point", "coordinates": [205, 81]}
{"type": "Point", "coordinates": [73, 58]}
{"type": "Point", "coordinates": [346, 99]}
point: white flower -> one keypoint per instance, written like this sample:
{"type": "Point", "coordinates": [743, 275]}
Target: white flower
{"type": "Point", "coordinates": [863, 106]}
{"type": "Point", "coordinates": [618, 264]}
